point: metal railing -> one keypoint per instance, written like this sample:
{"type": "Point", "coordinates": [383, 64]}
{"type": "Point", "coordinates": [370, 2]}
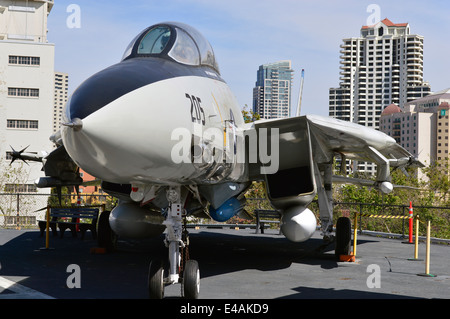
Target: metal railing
{"type": "Point", "coordinates": [23, 210]}
{"type": "Point", "coordinates": [438, 215]}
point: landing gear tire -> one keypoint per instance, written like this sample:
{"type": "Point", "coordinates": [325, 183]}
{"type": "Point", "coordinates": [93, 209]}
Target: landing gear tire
{"type": "Point", "coordinates": [156, 280]}
{"type": "Point", "coordinates": [106, 238]}
{"type": "Point", "coordinates": [343, 236]}
{"type": "Point", "coordinates": [191, 280]}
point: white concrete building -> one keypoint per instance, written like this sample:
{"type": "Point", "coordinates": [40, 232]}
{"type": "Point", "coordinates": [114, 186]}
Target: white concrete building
{"type": "Point", "coordinates": [421, 126]}
{"type": "Point", "coordinates": [413, 129]}
{"type": "Point", "coordinates": [26, 84]}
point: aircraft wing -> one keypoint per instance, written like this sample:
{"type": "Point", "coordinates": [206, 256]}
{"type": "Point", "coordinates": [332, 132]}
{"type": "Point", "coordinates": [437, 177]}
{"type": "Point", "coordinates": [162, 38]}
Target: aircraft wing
{"type": "Point", "coordinates": [326, 137]}
{"type": "Point", "coordinates": [356, 142]}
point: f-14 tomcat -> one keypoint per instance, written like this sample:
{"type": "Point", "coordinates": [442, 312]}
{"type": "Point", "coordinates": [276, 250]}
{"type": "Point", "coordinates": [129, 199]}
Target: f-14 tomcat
{"type": "Point", "coordinates": [164, 133]}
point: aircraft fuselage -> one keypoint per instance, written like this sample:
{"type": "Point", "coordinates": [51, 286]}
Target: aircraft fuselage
{"type": "Point", "coordinates": [153, 116]}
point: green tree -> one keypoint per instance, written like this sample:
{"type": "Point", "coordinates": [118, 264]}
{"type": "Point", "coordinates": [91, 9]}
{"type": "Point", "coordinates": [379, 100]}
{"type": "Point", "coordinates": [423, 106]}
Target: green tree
{"type": "Point", "coordinates": [54, 199]}
{"type": "Point", "coordinates": [249, 115]}
{"type": "Point", "coordinates": [12, 179]}
{"type": "Point", "coordinates": [438, 181]}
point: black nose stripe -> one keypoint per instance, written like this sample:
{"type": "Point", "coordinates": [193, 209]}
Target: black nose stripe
{"type": "Point", "coordinates": [108, 85]}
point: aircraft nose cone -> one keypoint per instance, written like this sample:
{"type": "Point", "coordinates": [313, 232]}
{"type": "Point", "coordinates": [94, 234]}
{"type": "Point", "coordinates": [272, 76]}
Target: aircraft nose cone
{"type": "Point", "coordinates": [110, 84]}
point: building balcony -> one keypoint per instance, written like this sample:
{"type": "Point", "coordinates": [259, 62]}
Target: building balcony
{"type": "Point", "coordinates": [414, 40]}
{"type": "Point", "coordinates": [415, 75]}
{"type": "Point", "coordinates": [418, 51]}
{"type": "Point", "coordinates": [345, 45]}
{"type": "Point", "coordinates": [414, 65]}
{"type": "Point", "coordinates": [414, 44]}
{"type": "Point", "coordinates": [50, 3]}
{"type": "Point", "coordinates": [414, 57]}
{"type": "Point", "coordinates": [414, 82]}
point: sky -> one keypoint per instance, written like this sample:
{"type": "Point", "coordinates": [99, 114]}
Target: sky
{"type": "Point", "coordinates": [246, 34]}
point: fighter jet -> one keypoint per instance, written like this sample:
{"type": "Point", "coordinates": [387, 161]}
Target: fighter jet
{"type": "Point", "coordinates": [164, 133]}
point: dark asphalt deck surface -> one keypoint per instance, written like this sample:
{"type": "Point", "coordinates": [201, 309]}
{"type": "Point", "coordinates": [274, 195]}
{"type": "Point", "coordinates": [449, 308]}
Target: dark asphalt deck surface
{"type": "Point", "coordinates": [234, 264]}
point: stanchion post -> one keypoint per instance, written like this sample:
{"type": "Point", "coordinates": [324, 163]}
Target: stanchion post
{"type": "Point", "coordinates": [427, 258]}
{"type": "Point", "coordinates": [47, 226]}
{"type": "Point", "coordinates": [47, 230]}
{"type": "Point", "coordinates": [18, 214]}
{"type": "Point", "coordinates": [416, 242]}
{"type": "Point", "coordinates": [410, 223]}
{"type": "Point", "coordinates": [355, 232]}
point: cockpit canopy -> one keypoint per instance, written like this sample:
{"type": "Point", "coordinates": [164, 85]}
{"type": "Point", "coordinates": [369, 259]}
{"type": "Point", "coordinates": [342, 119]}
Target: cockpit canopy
{"type": "Point", "coordinates": [180, 42]}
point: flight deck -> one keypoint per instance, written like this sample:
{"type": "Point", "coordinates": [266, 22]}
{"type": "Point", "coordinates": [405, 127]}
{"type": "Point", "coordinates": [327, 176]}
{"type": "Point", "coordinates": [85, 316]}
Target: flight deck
{"type": "Point", "coordinates": [235, 264]}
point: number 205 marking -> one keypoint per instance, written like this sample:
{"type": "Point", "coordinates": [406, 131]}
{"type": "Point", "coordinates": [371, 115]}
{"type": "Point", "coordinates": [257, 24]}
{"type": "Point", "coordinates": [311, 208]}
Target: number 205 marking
{"type": "Point", "coordinates": [197, 113]}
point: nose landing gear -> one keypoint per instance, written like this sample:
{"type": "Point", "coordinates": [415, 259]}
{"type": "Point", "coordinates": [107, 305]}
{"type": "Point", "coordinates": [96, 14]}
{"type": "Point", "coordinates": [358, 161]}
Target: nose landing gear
{"type": "Point", "coordinates": [180, 269]}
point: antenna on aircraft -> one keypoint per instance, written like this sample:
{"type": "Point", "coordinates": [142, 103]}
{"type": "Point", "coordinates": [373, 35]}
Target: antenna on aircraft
{"type": "Point", "coordinates": [299, 106]}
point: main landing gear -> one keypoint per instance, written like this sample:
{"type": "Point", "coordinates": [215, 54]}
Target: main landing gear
{"type": "Point", "coordinates": [343, 236]}
{"type": "Point", "coordinates": [343, 224]}
{"type": "Point", "coordinates": [180, 268]}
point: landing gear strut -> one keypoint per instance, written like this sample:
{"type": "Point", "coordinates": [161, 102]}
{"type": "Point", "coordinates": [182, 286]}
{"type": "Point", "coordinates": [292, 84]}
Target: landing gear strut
{"type": "Point", "coordinates": [343, 225]}
{"type": "Point", "coordinates": [180, 268]}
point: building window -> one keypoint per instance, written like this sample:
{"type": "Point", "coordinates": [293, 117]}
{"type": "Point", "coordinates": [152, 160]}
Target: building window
{"type": "Point", "coordinates": [22, 124]}
{"type": "Point", "coordinates": [23, 92]}
{"type": "Point", "coordinates": [21, 220]}
{"type": "Point", "coordinates": [20, 188]}
{"type": "Point", "coordinates": [24, 60]}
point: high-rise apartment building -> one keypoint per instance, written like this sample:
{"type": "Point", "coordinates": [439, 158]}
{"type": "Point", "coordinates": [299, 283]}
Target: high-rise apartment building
{"type": "Point", "coordinates": [61, 96]}
{"type": "Point", "coordinates": [272, 91]}
{"type": "Point", "coordinates": [381, 67]}
{"type": "Point", "coordinates": [26, 83]}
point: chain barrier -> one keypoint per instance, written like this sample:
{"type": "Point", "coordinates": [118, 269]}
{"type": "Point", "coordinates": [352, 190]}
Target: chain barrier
{"type": "Point", "coordinates": [416, 242]}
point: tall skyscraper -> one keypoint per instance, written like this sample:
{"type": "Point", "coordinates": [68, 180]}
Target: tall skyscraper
{"type": "Point", "coordinates": [272, 91]}
{"type": "Point", "coordinates": [61, 96]}
{"type": "Point", "coordinates": [381, 67]}
{"type": "Point", "coordinates": [26, 82]}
